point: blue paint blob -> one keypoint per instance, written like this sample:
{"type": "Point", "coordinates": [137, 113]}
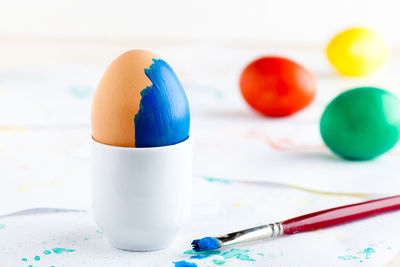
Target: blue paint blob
{"type": "Point", "coordinates": [202, 254]}
{"type": "Point", "coordinates": [185, 264]}
{"type": "Point", "coordinates": [205, 244]}
{"type": "Point", "coordinates": [163, 117]}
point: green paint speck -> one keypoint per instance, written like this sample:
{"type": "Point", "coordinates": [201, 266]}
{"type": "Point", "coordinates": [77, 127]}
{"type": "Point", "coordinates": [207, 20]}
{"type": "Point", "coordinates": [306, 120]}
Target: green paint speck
{"type": "Point", "coordinates": [80, 92]}
{"type": "Point", "coordinates": [218, 262]}
{"type": "Point", "coordinates": [192, 252]}
{"type": "Point", "coordinates": [37, 258]}
{"type": "Point", "coordinates": [260, 254]}
{"type": "Point", "coordinates": [62, 250]}
{"type": "Point", "coordinates": [217, 180]}
{"type": "Point", "coordinates": [368, 252]}
{"type": "Point", "coordinates": [244, 258]}
{"type": "Point", "coordinates": [240, 254]}
{"type": "Point", "coordinates": [24, 259]}
{"type": "Point", "coordinates": [2, 226]}
{"type": "Point", "coordinates": [348, 257]}
{"type": "Point", "coordinates": [46, 252]}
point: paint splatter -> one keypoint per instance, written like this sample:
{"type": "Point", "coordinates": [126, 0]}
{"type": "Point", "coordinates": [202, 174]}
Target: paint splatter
{"type": "Point", "coordinates": [2, 226]}
{"type": "Point", "coordinates": [361, 255]}
{"type": "Point", "coordinates": [202, 254]}
{"type": "Point", "coordinates": [212, 252]}
{"type": "Point", "coordinates": [62, 250]}
{"type": "Point", "coordinates": [217, 180]}
{"type": "Point", "coordinates": [348, 257]}
{"type": "Point", "coordinates": [46, 252]}
{"type": "Point", "coordinates": [260, 254]}
{"type": "Point", "coordinates": [368, 252]}
{"type": "Point", "coordinates": [240, 254]}
{"type": "Point", "coordinates": [184, 264]}
{"type": "Point", "coordinates": [24, 259]}
{"type": "Point", "coordinates": [37, 258]}
{"type": "Point", "coordinates": [218, 262]}
{"type": "Point", "coordinates": [80, 92]}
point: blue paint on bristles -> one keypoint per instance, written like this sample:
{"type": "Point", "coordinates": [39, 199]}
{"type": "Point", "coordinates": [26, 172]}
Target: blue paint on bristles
{"type": "Point", "coordinates": [206, 244]}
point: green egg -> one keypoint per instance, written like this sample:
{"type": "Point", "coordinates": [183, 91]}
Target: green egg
{"type": "Point", "coordinates": [362, 123]}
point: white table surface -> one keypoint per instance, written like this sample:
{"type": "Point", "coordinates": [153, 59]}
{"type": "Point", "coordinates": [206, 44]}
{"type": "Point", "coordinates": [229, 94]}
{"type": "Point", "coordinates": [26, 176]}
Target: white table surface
{"type": "Point", "coordinates": [45, 174]}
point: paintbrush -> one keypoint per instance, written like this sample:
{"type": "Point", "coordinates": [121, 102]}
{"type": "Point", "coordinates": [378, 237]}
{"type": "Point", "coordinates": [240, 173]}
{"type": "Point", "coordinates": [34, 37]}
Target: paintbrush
{"type": "Point", "coordinates": [309, 222]}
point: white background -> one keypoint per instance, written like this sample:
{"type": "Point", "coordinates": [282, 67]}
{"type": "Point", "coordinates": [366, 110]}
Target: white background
{"type": "Point", "coordinates": [309, 22]}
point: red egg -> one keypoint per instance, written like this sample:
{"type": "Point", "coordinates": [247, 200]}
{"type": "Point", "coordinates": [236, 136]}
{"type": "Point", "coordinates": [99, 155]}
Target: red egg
{"type": "Point", "coordinates": [276, 86]}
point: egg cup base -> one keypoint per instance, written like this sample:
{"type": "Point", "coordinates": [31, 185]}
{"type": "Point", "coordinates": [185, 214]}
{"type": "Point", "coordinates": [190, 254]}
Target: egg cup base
{"type": "Point", "coordinates": [141, 196]}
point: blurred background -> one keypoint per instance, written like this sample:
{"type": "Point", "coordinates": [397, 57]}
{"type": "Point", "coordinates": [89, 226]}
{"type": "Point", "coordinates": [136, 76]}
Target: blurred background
{"type": "Point", "coordinates": [45, 31]}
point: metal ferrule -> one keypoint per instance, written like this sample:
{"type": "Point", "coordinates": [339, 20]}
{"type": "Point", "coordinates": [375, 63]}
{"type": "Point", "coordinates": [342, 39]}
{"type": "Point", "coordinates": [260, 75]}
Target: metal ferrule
{"type": "Point", "coordinates": [268, 231]}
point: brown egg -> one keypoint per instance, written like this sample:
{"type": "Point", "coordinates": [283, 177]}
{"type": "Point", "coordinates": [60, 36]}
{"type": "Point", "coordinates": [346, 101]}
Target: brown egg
{"type": "Point", "coordinates": [139, 102]}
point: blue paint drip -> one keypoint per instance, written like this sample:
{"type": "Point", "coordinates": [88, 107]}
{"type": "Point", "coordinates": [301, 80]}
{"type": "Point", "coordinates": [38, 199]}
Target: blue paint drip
{"type": "Point", "coordinates": [200, 256]}
{"type": "Point", "coordinates": [163, 117]}
{"type": "Point", "coordinates": [205, 244]}
{"type": "Point", "coordinates": [185, 264]}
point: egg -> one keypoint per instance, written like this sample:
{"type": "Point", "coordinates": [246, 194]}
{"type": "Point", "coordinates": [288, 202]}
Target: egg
{"type": "Point", "coordinates": [277, 86]}
{"type": "Point", "coordinates": [362, 123]}
{"type": "Point", "coordinates": [140, 102]}
{"type": "Point", "coordinates": [357, 52]}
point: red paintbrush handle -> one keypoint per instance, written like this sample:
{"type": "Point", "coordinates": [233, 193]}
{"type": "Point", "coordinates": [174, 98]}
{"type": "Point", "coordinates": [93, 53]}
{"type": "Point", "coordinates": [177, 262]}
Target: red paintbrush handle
{"type": "Point", "coordinates": [340, 215]}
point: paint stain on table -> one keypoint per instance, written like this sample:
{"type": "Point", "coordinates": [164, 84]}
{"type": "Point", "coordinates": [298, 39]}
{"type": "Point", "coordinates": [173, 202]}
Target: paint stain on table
{"type": "Point", "coordinates": [364, 254]}
{"type": "Point", "coordinates": [202, 254]}
{"type": "Point", "coordinates": [62, 250]}
{"type": "Point", "coordinates": [240, 254]}
{"type": "Point", "coordinates": [219, 262]}
{"type": "Point", "coordinates": [217, 180]}
{"type": "Point", "coordinates": [184, 264]}
{"type": "Point", "coordinates": [47, 252]}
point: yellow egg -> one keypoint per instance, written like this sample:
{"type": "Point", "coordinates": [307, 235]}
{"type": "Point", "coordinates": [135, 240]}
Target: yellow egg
{"type": "Point", "coordinates": [357, 52]}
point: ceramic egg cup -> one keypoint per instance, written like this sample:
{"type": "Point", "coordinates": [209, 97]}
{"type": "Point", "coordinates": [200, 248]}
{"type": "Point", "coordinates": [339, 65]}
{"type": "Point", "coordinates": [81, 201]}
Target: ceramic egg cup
{"type": "Point", "coordinates": [141, 196]}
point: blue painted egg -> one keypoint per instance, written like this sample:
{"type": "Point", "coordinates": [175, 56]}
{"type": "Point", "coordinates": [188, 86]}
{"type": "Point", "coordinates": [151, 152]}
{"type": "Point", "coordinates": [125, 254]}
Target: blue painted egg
{"type": "Point", "coordinates": [140, 102]}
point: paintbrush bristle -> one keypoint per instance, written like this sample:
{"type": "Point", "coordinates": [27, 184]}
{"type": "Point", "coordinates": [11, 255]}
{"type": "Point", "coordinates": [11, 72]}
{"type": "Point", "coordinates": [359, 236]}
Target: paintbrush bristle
{"type": "Point", "coordinates": [206, 244]}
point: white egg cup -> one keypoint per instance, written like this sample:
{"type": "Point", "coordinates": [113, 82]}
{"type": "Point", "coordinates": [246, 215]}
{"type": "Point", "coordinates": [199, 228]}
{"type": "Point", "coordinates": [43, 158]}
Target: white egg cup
{"type": "Point", "coordinates": [141, 196]}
